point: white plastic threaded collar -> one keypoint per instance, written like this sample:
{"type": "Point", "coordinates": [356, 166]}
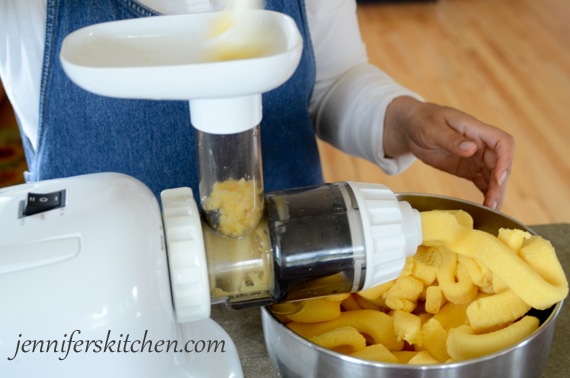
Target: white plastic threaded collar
{"type": "Point", "coordinates": [392, 231]}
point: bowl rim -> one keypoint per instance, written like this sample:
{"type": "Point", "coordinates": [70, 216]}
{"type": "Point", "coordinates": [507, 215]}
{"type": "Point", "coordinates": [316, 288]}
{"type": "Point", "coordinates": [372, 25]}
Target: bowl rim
{"type": "Point", "coordinates": [555, 310]}
{"type": "Point", "coordinates": [470, 203]}
{"type": "Point", "coordinates": [444, 365]}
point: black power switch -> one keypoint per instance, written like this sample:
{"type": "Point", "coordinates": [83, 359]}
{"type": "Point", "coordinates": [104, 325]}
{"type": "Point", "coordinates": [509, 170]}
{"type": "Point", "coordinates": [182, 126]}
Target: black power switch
{"type": "Point", "coordinates": [38, 203]}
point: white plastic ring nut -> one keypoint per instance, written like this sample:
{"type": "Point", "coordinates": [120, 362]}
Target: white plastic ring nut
{"type": "Point", "coordinates": [186, 255]}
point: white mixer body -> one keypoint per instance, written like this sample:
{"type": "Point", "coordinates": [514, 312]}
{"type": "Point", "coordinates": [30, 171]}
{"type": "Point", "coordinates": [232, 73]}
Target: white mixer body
{"type": "Point", "coordinates": [89, 278]}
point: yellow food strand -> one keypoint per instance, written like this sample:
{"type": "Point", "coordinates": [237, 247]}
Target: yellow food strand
{"type": "Point", "coordinates": [344, 339]}
{"type": "Point", "coordinates": [376, 291]}
{"type": "Point", "coordinates": [495, 310]}
{"type": "Point", "coordinates": [499, 285]}
{"type": "Point", "coordinates": [539, 254]}
{"type": "Point", "coordinates": [454, 279]}
{"type": "Point", "coordinates": [366, 304]}
{"type": "Point", "coordinates": [337, 297]}
{"type": "Point", "coordinates": [463, 218]}
{"type": "Point", "coordinates": [350, 304]}
{"type": "Point", "coordinates": [406, 287]}
{"type": "Point", "coordinates": [400, 304]}
{"type": "Point", "coordinates": [423, 358]}
{"type": "Point", "coordinates": [379, 326]}
{"type": "Point", "coordinates": [434, 299]}
{"type": "Point", "coordinates": [376, 352]}
{"type": "Point", "coordinates": [513, 238]}
{"type": "Point", "coordinates": [380, 302]}
{"type": "Point", "coordinates": [407, 327]}
{"type": "Point", "coordinates": [452, 315]}
{"type": "Point", "coordinates": [405, 356]}
{"type": "Point", "coordinates": [463, 343]}
{"type": "Point", "coordinates": [441, 228]}
{"type": "Point", "coordinates": [425, 317]}
{"type": "Point", "coordinates": [423, 294]}
{"type": "Point", "coordinates": [317, 310]}
{"type": "Point", "coordinates": [429, 256]}
{"type": "Point", "coordinates": [425, 273]}
{"type": "Point", "coordinates": [408, 267]}
{"type": "Point", "coordinates": [483, 279]}
{"type": "Point", "coordinates": [434, 339]}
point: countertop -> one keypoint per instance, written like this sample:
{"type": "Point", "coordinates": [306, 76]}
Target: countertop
{"type": "Point", "coordinates": [245, 329]}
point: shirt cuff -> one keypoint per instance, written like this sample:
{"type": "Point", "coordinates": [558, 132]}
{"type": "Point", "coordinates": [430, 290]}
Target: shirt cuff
{"type": "Point", "coordinates": [351, 115]}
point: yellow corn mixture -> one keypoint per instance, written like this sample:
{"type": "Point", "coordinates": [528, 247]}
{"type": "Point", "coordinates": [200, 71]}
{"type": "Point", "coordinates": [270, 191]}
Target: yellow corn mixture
{"type": "Point", "coordinates": [464, 294]}
{"type": "Point", "coordinates": [240, 205]}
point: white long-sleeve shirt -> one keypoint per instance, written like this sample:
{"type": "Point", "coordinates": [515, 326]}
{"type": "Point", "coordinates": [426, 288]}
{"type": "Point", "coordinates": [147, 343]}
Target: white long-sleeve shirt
{"type": "Point", "coordinates": [349, 99]}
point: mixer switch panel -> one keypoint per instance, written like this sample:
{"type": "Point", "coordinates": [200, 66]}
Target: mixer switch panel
{"type": "Point", "coordinates": [38, 203]}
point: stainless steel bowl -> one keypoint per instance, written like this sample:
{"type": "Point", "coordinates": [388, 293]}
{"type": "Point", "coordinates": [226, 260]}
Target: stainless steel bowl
{"type": "Point", "coordinates": [294, 356]}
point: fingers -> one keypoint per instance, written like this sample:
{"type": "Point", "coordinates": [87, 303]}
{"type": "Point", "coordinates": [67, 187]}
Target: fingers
{"type": "Point", "coordinates": [502, 145]}
{"type": "Point", "coordinates": [447, 130]}
{"type": "Point", "coordinates": [505, 155]}
{"type": "Point", "coordinates": [458, 143]}
{"type": "Point", "coordinates": [501, 159]}
{"type": "Point", "coordinates": [495, 195]}
{"type": "Point", "coordinates": [493, 190]}
{"type": "Point", "coordinates": [496, 149]}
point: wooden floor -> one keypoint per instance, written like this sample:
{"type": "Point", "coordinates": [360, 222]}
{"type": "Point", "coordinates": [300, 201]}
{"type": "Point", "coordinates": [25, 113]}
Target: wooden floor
{"type": "Point", "coordinates": [507, 62]}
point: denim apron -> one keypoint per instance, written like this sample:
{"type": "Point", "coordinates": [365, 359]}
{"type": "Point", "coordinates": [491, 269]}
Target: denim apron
{"type": "Point", "coordinates": [80, 132]}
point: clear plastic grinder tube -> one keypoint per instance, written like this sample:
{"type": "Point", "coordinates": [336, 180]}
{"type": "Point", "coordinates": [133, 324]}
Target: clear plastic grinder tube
{"type": "Point", "coordinates": [312, 242]}
{"type": "Point", "coordinates": [231, 181]}
{"type": "Point", "coordinates": [309, 244]}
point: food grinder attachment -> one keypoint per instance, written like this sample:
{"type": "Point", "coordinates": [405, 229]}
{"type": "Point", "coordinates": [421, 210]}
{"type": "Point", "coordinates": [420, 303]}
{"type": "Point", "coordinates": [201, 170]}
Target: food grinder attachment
{"type": "Point", "coordinates": [326, 239]}
{"type": "Point", "coordinates": [105, 260]}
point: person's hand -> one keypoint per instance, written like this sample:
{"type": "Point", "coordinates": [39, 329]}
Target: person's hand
{"type": "Point", "coordinates": [451, 141]}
